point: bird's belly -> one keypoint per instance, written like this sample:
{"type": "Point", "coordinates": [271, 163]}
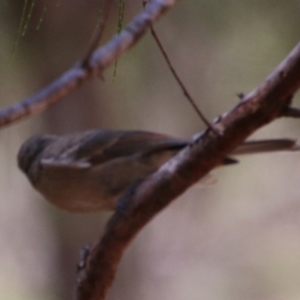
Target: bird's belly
{"type": "Point", "coordinates": [82, 194]}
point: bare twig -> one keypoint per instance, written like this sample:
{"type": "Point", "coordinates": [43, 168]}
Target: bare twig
{"type": "Point", "coordinates": [258, 108]}
{"type": "Point", "coordinates": [179, 81]}
{"type": "Point", "coordinates": [98, 61]}
{"type": "Point", "coordinates": [292, 112]}
{"type": "Point", "coordinates": [181, 84]}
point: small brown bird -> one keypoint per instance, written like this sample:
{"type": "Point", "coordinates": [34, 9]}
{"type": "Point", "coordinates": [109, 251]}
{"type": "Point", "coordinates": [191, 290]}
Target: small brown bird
{"type": "Point", "coordinates": [89, 171]}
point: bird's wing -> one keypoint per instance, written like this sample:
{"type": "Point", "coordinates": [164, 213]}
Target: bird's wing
{"type": "Point", "coordinates": [107, 145]}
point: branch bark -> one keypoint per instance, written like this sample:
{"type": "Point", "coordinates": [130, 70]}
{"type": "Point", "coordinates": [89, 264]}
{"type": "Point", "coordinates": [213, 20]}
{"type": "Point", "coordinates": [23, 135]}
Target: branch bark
{"type": "Point", "coordinates": [266, 103]}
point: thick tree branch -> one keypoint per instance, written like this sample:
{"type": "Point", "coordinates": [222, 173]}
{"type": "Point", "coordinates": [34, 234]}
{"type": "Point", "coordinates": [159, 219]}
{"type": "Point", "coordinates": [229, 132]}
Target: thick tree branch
{"type": "Point", "coordinates": [98, 61]}
{"type": "Point", "coordinates": [140, 205]}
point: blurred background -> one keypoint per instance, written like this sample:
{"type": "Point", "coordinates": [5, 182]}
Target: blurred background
{"type": "Point", "coordinates": [238, 239]}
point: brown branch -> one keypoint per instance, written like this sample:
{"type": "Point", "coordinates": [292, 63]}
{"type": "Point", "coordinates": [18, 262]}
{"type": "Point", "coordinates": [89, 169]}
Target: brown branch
{"type": "Point", "coordinates": [292, 112]}
{"type": "Point", "coordinates": [256, 109]}
{"type": "Point", "coordinates": [98, 61]}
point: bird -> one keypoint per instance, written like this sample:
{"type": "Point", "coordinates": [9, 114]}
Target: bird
{"type": "Point", "coordinates": [89, 171]}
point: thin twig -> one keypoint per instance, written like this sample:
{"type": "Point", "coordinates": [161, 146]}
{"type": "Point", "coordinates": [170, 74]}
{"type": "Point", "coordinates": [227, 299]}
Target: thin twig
{"type": "Point", "coordinates": [179, 81]}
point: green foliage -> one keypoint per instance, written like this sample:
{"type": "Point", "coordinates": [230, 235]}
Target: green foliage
{"type": "Point", "coordinates": [23, 27]}
{"type": "Point", "coordinates": [25, 20]}
{"type": "Point", "coordinates": [121, 15]}
{"type": "Point", "coordinates": [120, 26]}
{"type": "Point", "coordinates": [43, 13]}
{"type": "Point", "coordinates": [21, 31]}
